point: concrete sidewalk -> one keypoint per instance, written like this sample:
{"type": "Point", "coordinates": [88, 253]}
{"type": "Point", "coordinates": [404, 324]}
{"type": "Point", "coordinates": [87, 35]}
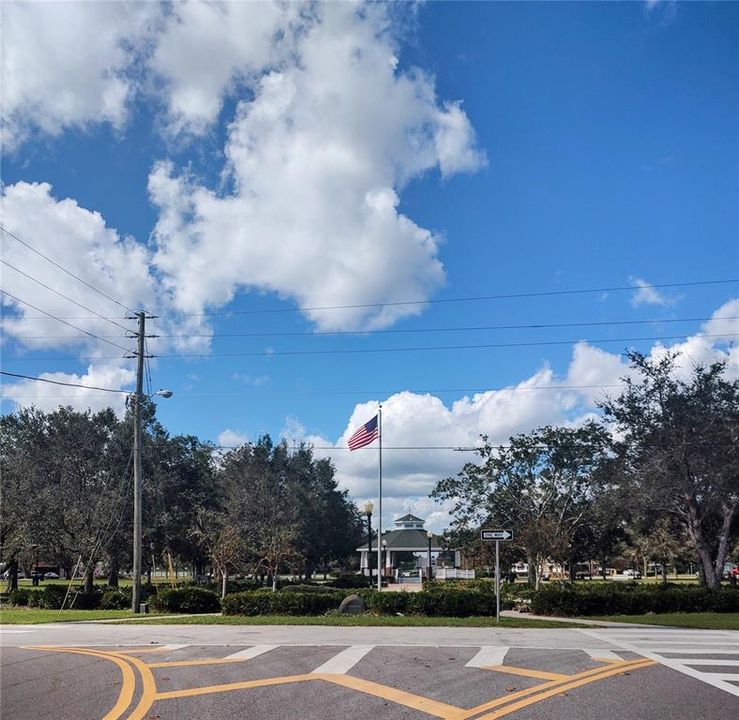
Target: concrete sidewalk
{"type": "Point", "coordinates": [578, 621]}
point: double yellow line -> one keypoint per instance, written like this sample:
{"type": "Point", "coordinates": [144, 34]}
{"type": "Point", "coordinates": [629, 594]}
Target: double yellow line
{"type": "Point", "coordinates": [524, 698]}
{"type": "Point", "coordinates": [500, 706]}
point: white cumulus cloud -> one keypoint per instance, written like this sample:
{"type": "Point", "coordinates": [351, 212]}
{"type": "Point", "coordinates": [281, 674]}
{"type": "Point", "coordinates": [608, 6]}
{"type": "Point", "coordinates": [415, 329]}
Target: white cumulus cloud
{"type": "Point", "coordinates": [316, 159]}
{"type": "Point", "coordinates": [68, 64]}
{"type": "Point", "coordinates": [48, 396]}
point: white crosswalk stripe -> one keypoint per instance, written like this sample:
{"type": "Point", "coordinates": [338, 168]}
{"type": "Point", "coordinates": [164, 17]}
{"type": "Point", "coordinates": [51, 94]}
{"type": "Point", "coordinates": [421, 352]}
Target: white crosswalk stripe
{"type": "Point", "coordinates": [488, 656]}
{"type": "Point", "coordinates": [251, 652]}
{"type": "Point", "coordinates": [344, 661]}
{"type": "Point", "coordinates": [684, 651]}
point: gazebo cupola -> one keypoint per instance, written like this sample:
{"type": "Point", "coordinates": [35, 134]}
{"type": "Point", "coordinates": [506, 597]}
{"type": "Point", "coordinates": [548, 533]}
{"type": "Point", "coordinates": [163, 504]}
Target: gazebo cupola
{"type": "Point", "coordinates": [408, 522]}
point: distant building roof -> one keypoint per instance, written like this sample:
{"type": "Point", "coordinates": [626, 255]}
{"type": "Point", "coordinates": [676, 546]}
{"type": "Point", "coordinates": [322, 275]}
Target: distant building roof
{"type": "Point", "coordinates": [408, 517]}
{"type": "Point", "coordinates": [406, 540]}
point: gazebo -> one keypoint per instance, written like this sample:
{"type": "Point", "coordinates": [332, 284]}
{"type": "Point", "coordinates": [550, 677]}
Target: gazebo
{"type": "Point", "coordinates": [408, 536]}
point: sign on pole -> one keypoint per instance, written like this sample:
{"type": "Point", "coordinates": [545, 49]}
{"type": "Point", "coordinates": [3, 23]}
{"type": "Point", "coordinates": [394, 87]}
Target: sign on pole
{"type": "Point", "coordinates": [498, 535]}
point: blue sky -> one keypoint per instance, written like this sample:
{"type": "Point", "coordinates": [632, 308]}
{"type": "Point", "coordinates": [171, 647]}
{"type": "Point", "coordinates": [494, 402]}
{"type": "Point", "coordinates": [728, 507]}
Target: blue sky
{"type": "Point", "coordinates": [187, 161]}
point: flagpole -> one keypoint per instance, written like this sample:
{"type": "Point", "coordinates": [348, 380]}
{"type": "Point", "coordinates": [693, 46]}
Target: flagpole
{"type": "Point", "coordinates": [379, 515]}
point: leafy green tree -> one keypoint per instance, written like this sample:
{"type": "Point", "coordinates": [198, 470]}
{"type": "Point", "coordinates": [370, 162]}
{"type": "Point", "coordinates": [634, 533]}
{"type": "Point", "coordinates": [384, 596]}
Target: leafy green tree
{"type": "Point", "coordinates": [679, 450]}
{"type": "Point", "coordinates": [63, 461]}
{"type": "Point", "coordinates": [540, 486]}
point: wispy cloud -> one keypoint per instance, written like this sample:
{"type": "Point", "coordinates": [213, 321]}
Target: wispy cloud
{"type": "Point", "coordinates": [647, 294]}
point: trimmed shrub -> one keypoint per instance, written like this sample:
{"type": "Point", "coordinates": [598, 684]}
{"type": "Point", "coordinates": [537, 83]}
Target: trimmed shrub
{"type": "Point", "coordinates": [282, 602]}
{"type": "Point", "coordinates": [186, 600]}
{"type": "Point", "coordinates": [116, 599]}
{"type": "Point", "coordinates": [83, 600]}
{"type": "Point", "coordinates": [320, 589]}
{"type": "Point", "coordinates": [631, 599]}
{"type": "Point", "coordinates": [349, 582]}
{"type": "Point", "coordinates": [23, 597]}
{"type": "Point", "coordinates": [438, 602]}
{"type": "Point", "coordinates": [52, 597]}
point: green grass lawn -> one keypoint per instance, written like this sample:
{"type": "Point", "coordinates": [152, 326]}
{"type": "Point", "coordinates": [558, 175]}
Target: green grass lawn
{"type": "Point", "coordinates": [34, 616]}
{"type": "Point", "coordinates": [704, 621]}
{"type": "Point", "coordinates": [354, 620]}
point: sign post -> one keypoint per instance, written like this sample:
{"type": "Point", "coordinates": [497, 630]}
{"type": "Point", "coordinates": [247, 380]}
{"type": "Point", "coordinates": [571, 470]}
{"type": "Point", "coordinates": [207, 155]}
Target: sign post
{"type": "Point", "coordinates": [496, 536]}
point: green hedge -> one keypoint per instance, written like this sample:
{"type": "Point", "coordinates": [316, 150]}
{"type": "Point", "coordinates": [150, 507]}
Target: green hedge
{"type": "Point", "coordinates": [116, 599]}
{"type": "Point", "coordinates": [631, 599]}
{"type": "Point", "coordinates": [24, 597]}
{"type": "Point", "coordinates": [282, 602]}
{"type": "Point", "coordinates": [437, 602]}
{"type": "Point", "coordinates": [316, 589]}
{"type": "Point", "coordinates": [349, 582]}
{"type": "Point", "coordinates": [186, 600]}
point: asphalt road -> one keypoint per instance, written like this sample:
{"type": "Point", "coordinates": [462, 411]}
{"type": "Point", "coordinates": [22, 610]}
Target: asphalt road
{"type": "Point", "coordinates": [107, 672]}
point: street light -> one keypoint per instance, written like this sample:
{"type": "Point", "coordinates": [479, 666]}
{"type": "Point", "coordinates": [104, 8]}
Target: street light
{"type": "Point", "coordinates": [430, 535]}
{"type": "Point", "coordinates": [138, 474]}
{"type": "Point", "coordinates": [368, 508]}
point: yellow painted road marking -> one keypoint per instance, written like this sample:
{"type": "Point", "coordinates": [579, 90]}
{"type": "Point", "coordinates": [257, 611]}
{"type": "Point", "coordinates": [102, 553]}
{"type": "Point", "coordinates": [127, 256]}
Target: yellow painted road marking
{"type": "Point", "coordinates": [401, 697]}
{"type": "Point", "coordinates": [188, 663]}
{"type": "Point", "coordinates": [149, 687]}
{"type": "Point", "coordinates": [513, 707]}
{"type": "Point", "coordinates": [228, 687]}
{"type": "Point", "coordinates": [511, 703]}
{"type": "Point", "coordinates": [125, 697]}
{"type": "Point", "coordinates": [533, 690]}
{"type": "Point", "coordinates": [538, 674]}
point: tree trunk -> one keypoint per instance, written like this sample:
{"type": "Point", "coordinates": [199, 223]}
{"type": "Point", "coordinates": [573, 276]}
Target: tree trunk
{"type": "Point", "coordinates": [113, 572]}
{"type": "Point", "coordinates": [664, 572]}
{"type": "Point", "coordinates": [723, 542]}
{"type": "Point", "coordinates": [12, 575]}
{"type": "Point", "coordinates": [224, 584]}
{"type": "Point", "coordinates": [707, 570]}
{"type": "Point", "coordinates": [89, 579]}
{"type": "Point", "coordinates": [532, 574]}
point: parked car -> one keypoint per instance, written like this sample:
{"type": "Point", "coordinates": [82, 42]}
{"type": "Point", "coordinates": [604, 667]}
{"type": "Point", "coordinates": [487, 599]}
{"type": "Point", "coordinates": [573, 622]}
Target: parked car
{"type": "Point", "coordinates": [51, 576]}
{"type": "Point", "coordinates": [730, 570]}
{"type": "Point", "coordinates": [635, 574]}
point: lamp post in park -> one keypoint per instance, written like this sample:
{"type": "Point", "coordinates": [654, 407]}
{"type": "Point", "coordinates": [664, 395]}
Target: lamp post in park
{"type": "Point", "coordinates": [368, 508]}
{"type": "Point", "coordinates": [430, 536]}
{"type": "Point", "coordinates": [384, 558]}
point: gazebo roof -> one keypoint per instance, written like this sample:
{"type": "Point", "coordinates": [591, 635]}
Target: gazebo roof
{"type": "Point", "coordinates": [409, 517]}
{"type": "Point", "coordinates": [406, 540]}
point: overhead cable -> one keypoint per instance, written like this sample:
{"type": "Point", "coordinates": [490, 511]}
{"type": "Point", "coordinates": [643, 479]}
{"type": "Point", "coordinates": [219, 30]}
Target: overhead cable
{"type": "Point", "coordinates": [63, 269]}
{"type": "Point", "coordinates": [436, 301]}
{"type": "Point", "coordinates": [401, 331]}
{"type": "Point", "coordinates": [505, 296]}
{"type": "Point", "coordinates": [58, 319]}
{"type": "Point", "coordinates": [56, 292]}
{"type": "Point", "coordinates": [67, 384]}
{"type": "Point", "coordinates": [364, 351]}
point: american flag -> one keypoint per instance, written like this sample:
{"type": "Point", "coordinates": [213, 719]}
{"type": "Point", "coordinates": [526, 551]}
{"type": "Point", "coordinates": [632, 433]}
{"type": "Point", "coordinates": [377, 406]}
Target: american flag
{"type": "Point", "coordinates": [365, 435]}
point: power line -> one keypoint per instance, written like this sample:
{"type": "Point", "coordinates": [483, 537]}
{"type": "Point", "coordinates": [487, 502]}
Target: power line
{"type": "Point", "coordinates": [84, 307]}
{"type": "Point", "coordinates": [54, 317]}
{"type": "Point", "coordinates": [456, 448]}
{"type": "Point", "coordinates": [69, 272]}
{"type": "Point", "coordinates": [384, 393]}
{"type": "Point", "coordinates": [67, 384]}
{"type": "Point", "coordinates": [459, 328]}
{"type": "Point", "coordinates": [503, 296]}
{"type": "Point", "coordinates": [364, 351]}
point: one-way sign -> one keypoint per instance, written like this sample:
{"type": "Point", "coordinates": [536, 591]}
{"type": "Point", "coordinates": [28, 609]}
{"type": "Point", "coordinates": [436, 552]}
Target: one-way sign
{"type": "Point", "coordinates": [496, 535]}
